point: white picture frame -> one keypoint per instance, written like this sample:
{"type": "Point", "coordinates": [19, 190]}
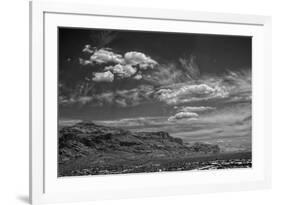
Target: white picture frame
{"type": "Point", "coordinates": [45, 187]}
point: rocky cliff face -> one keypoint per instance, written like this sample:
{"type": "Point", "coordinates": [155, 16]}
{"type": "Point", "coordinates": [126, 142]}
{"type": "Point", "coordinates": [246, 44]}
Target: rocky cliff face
{"type": "Point", "coordinates": [90, 146]}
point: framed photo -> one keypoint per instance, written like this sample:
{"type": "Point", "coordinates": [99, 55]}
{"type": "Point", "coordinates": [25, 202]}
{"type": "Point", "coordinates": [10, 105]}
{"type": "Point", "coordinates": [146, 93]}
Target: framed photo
{"type": "Point", "coordinates": [130, 102]}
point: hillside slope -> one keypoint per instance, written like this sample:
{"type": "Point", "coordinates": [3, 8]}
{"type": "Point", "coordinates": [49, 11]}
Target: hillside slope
{"type": "Point", "coordinates": [88, 146]}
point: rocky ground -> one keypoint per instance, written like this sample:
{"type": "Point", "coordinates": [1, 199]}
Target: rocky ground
{"type": "Point", "coordinates": [90, 149]}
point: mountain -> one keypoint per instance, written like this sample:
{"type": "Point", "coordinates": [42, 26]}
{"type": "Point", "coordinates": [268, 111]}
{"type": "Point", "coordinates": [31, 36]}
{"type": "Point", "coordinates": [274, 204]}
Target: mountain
{"type": "Point", "coordinates": [88, 148]}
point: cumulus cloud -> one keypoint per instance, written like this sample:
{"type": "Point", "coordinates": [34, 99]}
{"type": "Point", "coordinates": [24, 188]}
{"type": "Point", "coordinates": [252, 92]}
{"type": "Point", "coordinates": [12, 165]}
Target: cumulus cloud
{"type": "Point", "coordinates": [130, 65]}
{"type": "Point", "coordinates": [103, 77]}
{"type": "Point", "coordinates": [138, 58]}
{"type": "Point", "coordinates": [105, 56]}
{"type": "Point", "coordinates": [183, 115]}
{"type": "Point", "coordinates": [122, 71]}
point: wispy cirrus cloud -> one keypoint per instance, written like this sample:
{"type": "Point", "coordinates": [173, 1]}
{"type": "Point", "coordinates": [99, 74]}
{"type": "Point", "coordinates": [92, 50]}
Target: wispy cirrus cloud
{"type": "Point", "coordinates": [120, 98]}
{"type": "Point", "coordinates": [166, 74]}
{"type": "Point", "coordinates": [216, 90]}
{"type": "Point", "coordinates": [191, 96]}
{"type": "Point", "coordinates": [183, 70]}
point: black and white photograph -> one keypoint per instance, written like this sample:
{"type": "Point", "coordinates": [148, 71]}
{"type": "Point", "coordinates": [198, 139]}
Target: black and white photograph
{"type": "Point", "coordinates": [149, 101]}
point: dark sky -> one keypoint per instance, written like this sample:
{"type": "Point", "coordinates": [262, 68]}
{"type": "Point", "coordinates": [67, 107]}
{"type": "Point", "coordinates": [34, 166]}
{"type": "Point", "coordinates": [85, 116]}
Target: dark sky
{"type": "Point", "coordinates": [215, 54]}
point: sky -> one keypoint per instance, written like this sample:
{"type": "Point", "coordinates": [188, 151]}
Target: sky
{"type": "Point", "coordinates": [191, 85]}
